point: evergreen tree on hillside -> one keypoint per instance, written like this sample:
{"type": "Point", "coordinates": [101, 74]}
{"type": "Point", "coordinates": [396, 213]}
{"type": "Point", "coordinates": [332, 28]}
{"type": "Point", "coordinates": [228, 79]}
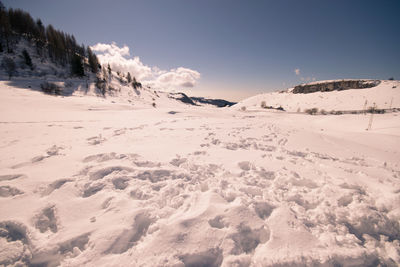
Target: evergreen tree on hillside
{"type": "Point", "coordinates": [5, 29]}
{"type": "Point", "coordinates": [109, 71]}
{"type": "Point", "coordinates": [27, 58]}
{"type": "Point", "coordinates": [136, 84]}
{"type": "Point", "coordinates": [129, 78]}
{"type": "Point", "coordinates": [41, 37]}
{"type": "Point", "coordinates": [60, 47]}
{"type": "Point", "coordinates": [9, 66]}
{"type": "Point", "coordinates": [77, 66]}
{"type": "Point", "coordinates": [93, 61]}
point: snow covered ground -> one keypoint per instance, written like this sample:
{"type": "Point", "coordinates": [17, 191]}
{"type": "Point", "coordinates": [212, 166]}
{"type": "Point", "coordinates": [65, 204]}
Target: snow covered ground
{"type": "Point", "coordinates": [88, 181]}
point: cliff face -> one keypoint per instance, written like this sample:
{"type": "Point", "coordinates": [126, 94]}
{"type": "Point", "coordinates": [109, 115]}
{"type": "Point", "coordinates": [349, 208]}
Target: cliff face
{"type": "Point", "coordinates": [334, 86]}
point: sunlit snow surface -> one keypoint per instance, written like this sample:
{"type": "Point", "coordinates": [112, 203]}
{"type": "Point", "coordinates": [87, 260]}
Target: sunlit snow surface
{"type": "Point", "coordinates": [88, 182]}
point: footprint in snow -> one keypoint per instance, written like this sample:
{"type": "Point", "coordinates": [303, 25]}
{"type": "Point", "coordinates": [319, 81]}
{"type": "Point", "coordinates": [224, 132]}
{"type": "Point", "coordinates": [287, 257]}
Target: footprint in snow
{"type": "Point", "coordinates": [9, 177]}
{"type": "Point", "coordinates": [9, 191]}
{"type": "Point", "coordinates": [210, 258]}
{"type": "Point", "coordinates": [54, 186]}
{"type": "Point", "coordinates": [95, 140]}
{"type": "Point", "coordinates": [246, 239]}
{"type": "Point", "coordinates": [46, 220]}
{"type": "Point", "coordinates": [130, 237]}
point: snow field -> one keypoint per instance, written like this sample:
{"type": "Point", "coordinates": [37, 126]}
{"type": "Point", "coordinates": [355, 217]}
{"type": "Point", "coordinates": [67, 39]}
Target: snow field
{"type": "Point", "coordinates": [85, 181]}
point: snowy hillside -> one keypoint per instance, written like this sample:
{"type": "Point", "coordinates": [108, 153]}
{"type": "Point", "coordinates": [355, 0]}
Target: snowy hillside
{"type": "Point", "coordinates": [385, 95]}
{"type": "Point", "coordinates": [93, 181]}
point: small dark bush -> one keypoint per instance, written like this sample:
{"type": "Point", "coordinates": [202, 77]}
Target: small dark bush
{"type": "Point", "coordinates": [51, 88]}
{"type": "Point", "coordinates": [311, 111]}
{"type": "Point", "coordinates": [263, 104]}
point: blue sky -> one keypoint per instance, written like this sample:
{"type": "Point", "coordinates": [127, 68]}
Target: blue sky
{"type": "Point", "coordinates": [240, 48]}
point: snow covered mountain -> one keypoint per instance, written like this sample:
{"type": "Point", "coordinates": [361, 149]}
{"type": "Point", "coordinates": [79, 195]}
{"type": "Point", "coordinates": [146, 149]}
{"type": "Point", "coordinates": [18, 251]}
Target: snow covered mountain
{"type": "Point", "coordinates": [45, 73]}
{"type": "Point", "coordinates": [385, 95]}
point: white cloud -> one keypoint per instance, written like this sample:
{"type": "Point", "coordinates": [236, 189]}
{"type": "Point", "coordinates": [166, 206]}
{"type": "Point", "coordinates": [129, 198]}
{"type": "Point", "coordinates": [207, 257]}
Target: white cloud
{"type": "Point", "coordinates": [297, 71]}
{"type": "Point", "coordinates": [120, 59]}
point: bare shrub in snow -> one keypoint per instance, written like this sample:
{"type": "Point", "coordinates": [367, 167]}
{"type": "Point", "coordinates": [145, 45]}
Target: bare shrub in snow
{"type": "Point", "coordinates": [323, 112]}
{"type": "Point", "coordinates": [243, 108]}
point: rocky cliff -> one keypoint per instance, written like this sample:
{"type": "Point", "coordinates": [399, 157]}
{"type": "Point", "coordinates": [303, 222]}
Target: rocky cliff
{"type": "Point", "coordinates": [337, 85]}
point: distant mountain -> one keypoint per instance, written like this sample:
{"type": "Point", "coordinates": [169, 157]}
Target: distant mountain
{"type": "Point", "coordinates": [200, 101]}
{"type": "Point", "coordinates": [215, 102]}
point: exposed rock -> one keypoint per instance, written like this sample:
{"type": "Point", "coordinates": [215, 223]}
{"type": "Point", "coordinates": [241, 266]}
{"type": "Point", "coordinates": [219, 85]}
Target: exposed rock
{"type": "Point", "coordinates": [337, 85]}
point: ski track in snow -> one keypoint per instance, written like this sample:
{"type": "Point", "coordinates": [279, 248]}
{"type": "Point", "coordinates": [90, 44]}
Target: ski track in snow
{"type": "Point", "coordinates": [197, 189]}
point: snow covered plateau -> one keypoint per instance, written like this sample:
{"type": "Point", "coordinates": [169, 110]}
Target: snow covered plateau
{"type": "Point", "coordinates": [103, 181]}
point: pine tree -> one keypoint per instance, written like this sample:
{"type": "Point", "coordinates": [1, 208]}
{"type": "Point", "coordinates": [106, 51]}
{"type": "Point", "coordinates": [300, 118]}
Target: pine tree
{"type": "Point", "coordinates": [109, 71]}
{"type": "Point", "coordinates": [5, 29]}
{"type": "Point", "coordinates": [27, 58]}
{"type": "Point", "coordinates": [93, 61]}
{"type": "Point", "coordinates": [77, 66]}
{"type": "Point", "coordinates": [136, 84]}
{"type": "Point", "coordinates": [129, 78]}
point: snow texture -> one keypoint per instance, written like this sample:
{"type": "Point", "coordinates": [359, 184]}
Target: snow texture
{"type": "Point", "coordinates": [90, 181]}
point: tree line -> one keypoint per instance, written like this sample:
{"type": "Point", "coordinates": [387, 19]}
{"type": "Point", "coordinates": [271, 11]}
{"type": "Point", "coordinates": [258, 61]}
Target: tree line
{"type": "Point", "coordinates": [62, 48]}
